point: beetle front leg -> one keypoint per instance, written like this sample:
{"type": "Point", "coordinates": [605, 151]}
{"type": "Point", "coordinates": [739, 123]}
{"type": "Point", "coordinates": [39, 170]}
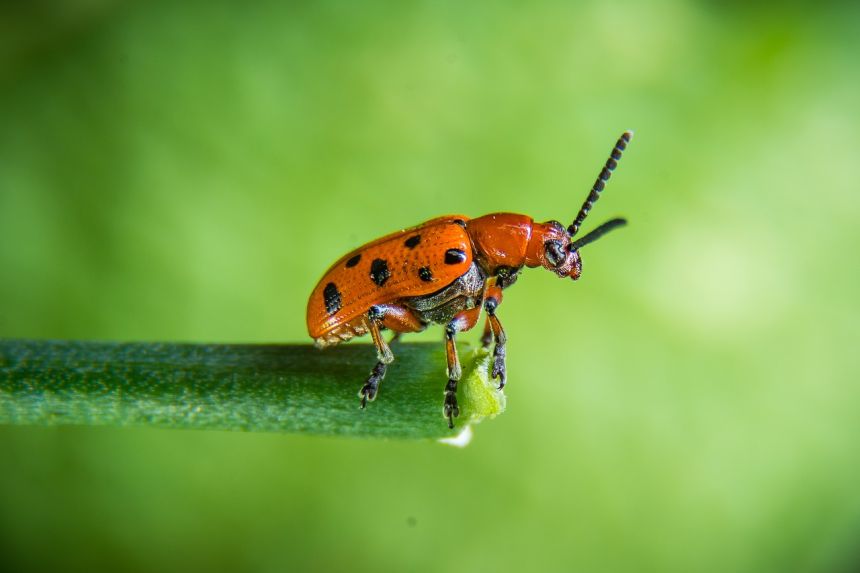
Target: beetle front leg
{"type": "Point", "coordinates": [462, 321]}
{"type": "Point", "coordinates": [491, 303]}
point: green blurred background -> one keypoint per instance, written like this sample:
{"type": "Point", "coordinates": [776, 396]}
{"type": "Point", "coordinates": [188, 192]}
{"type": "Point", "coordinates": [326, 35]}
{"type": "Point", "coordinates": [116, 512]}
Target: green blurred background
{"type": "Point", "coordinates": [186, 171]}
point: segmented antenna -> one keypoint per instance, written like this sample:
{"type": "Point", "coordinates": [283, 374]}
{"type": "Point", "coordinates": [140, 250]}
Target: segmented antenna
{"type": "Point", "coordinates": [596, 233]}
{"type": "Point", "coordinates": [600, 183]}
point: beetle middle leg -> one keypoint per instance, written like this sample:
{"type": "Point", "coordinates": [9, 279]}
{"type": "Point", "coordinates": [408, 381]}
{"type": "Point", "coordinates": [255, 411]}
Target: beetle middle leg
{"type": "Point", "coordinates": [464, 320]}
{"type": "Point", "coordinates": [397, 319]}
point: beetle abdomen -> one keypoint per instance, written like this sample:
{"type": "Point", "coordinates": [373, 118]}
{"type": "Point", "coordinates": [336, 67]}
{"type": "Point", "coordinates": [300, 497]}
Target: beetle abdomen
{"type": "Point", "coordinates": [342, 333]}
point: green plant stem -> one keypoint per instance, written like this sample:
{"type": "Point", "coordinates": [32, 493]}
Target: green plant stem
{"type": "Point", "coordinates": [263, 388]}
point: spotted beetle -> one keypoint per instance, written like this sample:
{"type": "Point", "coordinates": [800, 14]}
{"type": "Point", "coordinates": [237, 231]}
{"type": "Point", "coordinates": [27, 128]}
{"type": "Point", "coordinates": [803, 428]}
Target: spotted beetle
{"type": "Point", "coordinates": [445, 271]}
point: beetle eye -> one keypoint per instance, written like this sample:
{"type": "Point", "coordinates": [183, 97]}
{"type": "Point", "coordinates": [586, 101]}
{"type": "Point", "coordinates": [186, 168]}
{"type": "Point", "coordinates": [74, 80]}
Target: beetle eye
{"type": "Point", "coordinates": [554, 253]}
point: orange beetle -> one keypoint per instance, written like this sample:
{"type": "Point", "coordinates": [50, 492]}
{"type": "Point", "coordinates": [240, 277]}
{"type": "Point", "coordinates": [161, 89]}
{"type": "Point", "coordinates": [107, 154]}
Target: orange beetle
{"type": "Point", "coordinates": [445, 271]}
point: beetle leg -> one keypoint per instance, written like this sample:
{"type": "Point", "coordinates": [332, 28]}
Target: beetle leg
{"type": "Point", "coordinates": [491, 303]}
{"type": "Point", "coordinates": [383, 354]}
{"type": "Point", "coordinates": [487, 337]}
{"type": "Point", "coordinates": [398, 319]}
{"type": "Point", "coordinates": [462, 321]}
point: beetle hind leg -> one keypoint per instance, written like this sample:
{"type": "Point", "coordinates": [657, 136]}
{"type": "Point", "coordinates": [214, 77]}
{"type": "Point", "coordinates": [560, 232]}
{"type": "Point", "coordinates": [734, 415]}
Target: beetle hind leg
{"type": "Point", "coordinates": [450, 408]}
{"type": "Point", "coordinates": [371, 387]}
{"type": "Point", "coordinates": [399, 320]}
{"type": "Point", "coordinates": [384, 356]}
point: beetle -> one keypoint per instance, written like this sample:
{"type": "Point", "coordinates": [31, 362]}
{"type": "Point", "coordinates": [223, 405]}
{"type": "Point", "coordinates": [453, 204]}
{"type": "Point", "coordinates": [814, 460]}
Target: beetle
{"type": "Point", "coordinates": [445, 271]}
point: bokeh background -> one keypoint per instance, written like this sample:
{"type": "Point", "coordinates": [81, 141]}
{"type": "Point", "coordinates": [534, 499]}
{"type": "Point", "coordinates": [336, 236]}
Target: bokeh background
{"type": "Point", "coordinates": [186, 171]}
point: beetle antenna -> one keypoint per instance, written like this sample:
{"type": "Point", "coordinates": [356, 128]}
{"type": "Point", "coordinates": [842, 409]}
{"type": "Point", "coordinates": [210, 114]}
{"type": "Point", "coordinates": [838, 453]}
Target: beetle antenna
{"type": "Point", "coordinates": [597, 233]}
{"type": "Point", "coordinates": [600, 183]}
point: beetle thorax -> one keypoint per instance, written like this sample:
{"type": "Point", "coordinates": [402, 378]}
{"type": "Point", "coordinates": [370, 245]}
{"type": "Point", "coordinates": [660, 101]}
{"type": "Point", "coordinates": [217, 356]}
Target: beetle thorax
{"type": "Point", "coordinates": [500, 240]}
{"type": "Point", "coordinates": [511, 241]}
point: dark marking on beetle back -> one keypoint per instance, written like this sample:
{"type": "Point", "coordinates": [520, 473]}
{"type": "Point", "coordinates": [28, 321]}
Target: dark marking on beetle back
{"type": "Point", "coordinates": [412, 242]}
{"type": "Point", "coordinates": [332, 298]}
{"type": "Point", "coordinates": [455, 257]}
{"type": "Point", "coordinates": [353, 261]}
{"type": "Point", "coordinates": [425, 274]}
{"type": "Point", "coordinates": [379, 272]}
{"type": "Point", "coordinates": [460, 222]}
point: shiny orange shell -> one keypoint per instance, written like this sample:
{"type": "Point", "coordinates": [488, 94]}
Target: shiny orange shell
{"type": "Point", "coordinates": [411, 262]}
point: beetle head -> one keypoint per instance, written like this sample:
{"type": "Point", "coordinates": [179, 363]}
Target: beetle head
{"type": "Point", "coordinates": [549, 247]}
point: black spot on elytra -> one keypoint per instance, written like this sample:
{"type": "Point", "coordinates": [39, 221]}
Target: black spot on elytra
{"type": "Point", "coordinates": [379, 272]}
{"type": "Point", "coordinates": [332, 298]}
{"type": "Point", "coordinates": [353, 261]}
{"type": "Point", "coordinates": [425, 275]}
{"type": "Point", "coordinates": [460, 222]}
{"type": "Point", "coordinates": [454, 256]}
{"type": "Point", "coordinates": [412, 242]}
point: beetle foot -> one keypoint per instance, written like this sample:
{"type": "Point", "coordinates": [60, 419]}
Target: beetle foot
{"type": "Point", "coordinates": [367, 392]}
{"type": "Point", "coordinates": [499, 369]}
{"type": "Point", "coordinates": [371, 387]}
{"type": "Point", "coordinates": [451, 410]}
